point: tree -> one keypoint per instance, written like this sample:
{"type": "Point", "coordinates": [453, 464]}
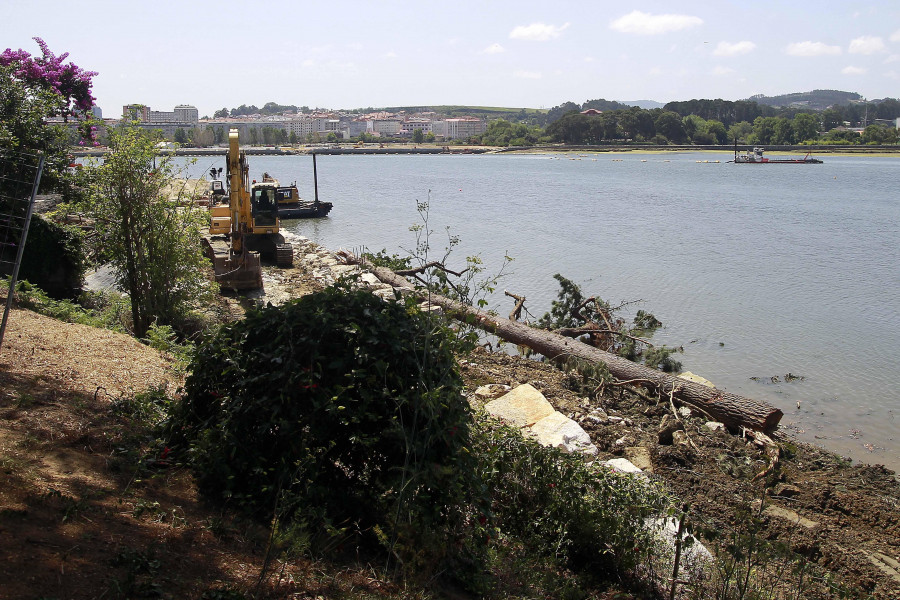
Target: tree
{"type": "Point", "coordinates": [221, 113]}
{"type": "Point", "coordinates": [831, 118]}
{"type": "Point", "coordinates": [152, 243]}
{"type": "Point", "coordinates": [740, 132]}
{"type": "Point", "coordinates": [763, 130]}
{"type": "Point", "coordinates": [557, 112]}
{"type": "Point", "coordinates": [180, 136]}
{"type": "Point", "coordinates": [716, 129]}
{"type": "Point", "coordinates": [572, 128]}
{"type": "Point", "coordinates": [33, 89]}
{"type": "Point", "coordinates": [879, 134]}
{"type": "Point", "coordinates": [784, 131]}
{"type": "Point", "coordinates": [418, 136]}
{"type": "Point", "coordinates": [806, 127]}
{"type": "Point", "coordinates": [692, 124]}
{"type": "Point", "coordinates": [669, 124]}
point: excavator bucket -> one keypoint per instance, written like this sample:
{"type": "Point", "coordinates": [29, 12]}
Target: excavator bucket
{"type": "Point", "coordinates": [234, 271]}
{"type": "Point", "coordinates": [238, 272]}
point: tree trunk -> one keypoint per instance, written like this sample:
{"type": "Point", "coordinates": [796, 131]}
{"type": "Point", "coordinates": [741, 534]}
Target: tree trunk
{"type": "Point", "coordinates": [732, 410]}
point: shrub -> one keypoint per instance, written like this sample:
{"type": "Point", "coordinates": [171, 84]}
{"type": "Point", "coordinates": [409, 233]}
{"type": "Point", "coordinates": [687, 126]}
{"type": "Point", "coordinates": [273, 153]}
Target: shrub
{"type": "Point", "coordinates": [54, 258]}
{"type": "Point", "coordinates": [338, 411]}
{"type": "Point", "coordinates": [578, 514]}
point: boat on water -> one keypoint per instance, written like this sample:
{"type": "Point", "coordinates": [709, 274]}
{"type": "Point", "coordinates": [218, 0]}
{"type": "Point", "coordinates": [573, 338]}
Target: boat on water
{"type": "Point", "coordinates": [755, 157]}
{"type": "Point", "coordinates": [289, 203]}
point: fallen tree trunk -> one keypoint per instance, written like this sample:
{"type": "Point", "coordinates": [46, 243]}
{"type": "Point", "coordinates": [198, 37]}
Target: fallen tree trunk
{"type": "Point", "coordinates": [732, 410]}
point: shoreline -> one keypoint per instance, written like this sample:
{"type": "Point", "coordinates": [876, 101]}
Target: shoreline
{"type": "Point", "coordinates": [439, 149]}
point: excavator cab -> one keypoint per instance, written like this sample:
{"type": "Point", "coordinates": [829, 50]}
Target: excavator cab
{"type": "Point", "coordinates": [264, 206]}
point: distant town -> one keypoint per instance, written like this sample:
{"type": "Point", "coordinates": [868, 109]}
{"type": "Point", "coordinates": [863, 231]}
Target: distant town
{"type": "Point", "coordinates": [183, 124]}
{"type": "Point", "coordinates": [820, 117]}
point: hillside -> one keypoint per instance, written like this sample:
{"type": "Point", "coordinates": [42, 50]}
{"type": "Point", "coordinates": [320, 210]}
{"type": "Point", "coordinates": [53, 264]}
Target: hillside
{"type": "Point", "coordinates": [816, 99]}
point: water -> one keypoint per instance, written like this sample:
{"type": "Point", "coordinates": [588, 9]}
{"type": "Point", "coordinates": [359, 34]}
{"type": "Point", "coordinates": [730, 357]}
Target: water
{"type": "Point", "coordinates": [757, 271]}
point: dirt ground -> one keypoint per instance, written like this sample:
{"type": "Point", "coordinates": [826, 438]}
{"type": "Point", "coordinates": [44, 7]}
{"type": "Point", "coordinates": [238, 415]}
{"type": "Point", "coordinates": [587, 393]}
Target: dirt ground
{"type": "Point", "coordinates": [78, 519]}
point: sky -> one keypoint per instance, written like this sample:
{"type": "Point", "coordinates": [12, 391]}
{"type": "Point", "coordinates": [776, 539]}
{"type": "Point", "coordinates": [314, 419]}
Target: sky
{"type": "Point", "coordinates": [536, 54]}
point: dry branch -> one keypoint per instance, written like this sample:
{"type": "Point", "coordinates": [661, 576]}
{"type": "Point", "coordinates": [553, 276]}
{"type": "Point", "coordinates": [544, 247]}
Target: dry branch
{"type": "Point", "coordinates": [516, 312]}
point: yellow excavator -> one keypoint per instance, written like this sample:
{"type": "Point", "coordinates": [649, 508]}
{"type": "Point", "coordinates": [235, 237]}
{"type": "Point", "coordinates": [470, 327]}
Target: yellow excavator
{"type": "Point", "coordinates": [249, 224]}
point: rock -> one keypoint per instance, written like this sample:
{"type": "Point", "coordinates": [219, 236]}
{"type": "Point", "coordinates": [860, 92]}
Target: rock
{"type": "Point", "coordinates": [370, 279]}
{"type": "Point", "coordinates": [615, 419]}
{"type": "Point", "coordinates": [523, 406]}
{"type": "Point", "coordinates": [695, 557]}
{"type": "Point", "coordinates": [623, 465]}
{"type": "Point", "coordinates": [715, 426]}
{"type": "Point", "coordinates": [559, 431]}
{"type": "Point", "coordinates": [788, 515]}
{"type": "Point", "coordinates": [640, 457]}
{"type": "Point", "coordinates": [684, 412]}
{"type": "Point", "coordinates": [785, 489]}
{"type": "Point", "coordinates": [667, 427]}
{"type": "Point", "coordinates": [680, 438]}
{"type": "Point", "coordinates": [491, 391]}
{"type": "Point", "coordinates": [697, 379]}
{"type": "Point", "coordinates": [385, 294]}
{"type": "Point", "coordinates": [886, 564]}
{"type": "Point", "coordinates": [344, 269]}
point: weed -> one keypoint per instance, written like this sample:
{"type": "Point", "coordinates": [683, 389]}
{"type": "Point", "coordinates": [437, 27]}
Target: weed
{"type": "Point", "coordinates": [140, 577]}
{"type": "Point", "coordinates": [70, 506]}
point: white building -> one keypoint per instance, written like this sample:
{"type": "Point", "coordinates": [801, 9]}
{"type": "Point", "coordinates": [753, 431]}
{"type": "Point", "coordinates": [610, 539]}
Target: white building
{"type": "Point", "coordinates": [185, 113]}
{"type": "Point", "coordinates": [386, 126]}
{"type": "Point", "coordinates": [417, 123]}
{"type": "Point", "coordinates": [459, 128]}
{"type": "Point", "coordinates": [303, 125]}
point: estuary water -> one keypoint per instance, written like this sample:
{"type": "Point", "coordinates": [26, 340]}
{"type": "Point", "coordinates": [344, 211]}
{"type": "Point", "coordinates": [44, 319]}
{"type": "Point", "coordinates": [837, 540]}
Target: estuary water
{"type": "Point", "coordinates": [756, 271]}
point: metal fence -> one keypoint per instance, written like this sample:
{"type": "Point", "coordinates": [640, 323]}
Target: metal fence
{"type": "Point", "coordinates": [20, 176]}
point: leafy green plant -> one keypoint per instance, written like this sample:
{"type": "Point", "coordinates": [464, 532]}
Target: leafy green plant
{"type": "Point", "coordinates": [338, 411]}
{"type": "Point", "coordinates": [141, 572]}
{"type": "Point", "coordinates": [596, 322]}
{"type": "Point", "coordinates": [145, 409]}
{"type": "Point", "coordinates": [394, 262]}
{"type": "Point", "coordinates": [558, 507]}
{"type": "Point", "coordinates": [95, 309]}
{"type": "Point", "coordinates": [165, 339]}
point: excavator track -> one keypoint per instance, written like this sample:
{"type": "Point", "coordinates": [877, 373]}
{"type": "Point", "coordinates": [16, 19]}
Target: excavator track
{"type": "Point", "coordinates": [284, 256]}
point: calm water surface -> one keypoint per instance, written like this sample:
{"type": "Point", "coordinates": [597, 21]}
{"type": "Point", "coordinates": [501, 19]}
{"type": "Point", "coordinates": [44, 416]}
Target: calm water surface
{"type": "Point", "coordinates": [757, 271]}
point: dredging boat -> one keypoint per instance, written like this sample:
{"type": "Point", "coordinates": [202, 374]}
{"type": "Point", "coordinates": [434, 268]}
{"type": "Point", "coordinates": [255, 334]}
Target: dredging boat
{"type": "Point", "coordinates": [755, 157]}
{"type": "Point", "coordinates": [288, 201]}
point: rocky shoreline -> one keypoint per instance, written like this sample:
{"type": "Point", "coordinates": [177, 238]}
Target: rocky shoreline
{"type": "Point", "coordinates": [843, 517]}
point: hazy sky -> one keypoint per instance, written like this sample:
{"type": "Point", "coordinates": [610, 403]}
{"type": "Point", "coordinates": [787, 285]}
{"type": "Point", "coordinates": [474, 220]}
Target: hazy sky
{"type": "Point", "coordinates": [523, 53]}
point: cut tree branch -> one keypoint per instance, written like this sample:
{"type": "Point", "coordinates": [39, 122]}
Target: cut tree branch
{"type": "Point", "coordinates": [732, 410]}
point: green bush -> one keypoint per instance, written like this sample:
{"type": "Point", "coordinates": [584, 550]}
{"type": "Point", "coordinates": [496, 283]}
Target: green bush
{"type": "Point", "coordinates": [576, 514]}
{"type": "Point", "coordinates": [54, 257]}
{"type": "Point", "coordinates": [102, 310]}
{"type": "Point", "coordinates": [338, 411]}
